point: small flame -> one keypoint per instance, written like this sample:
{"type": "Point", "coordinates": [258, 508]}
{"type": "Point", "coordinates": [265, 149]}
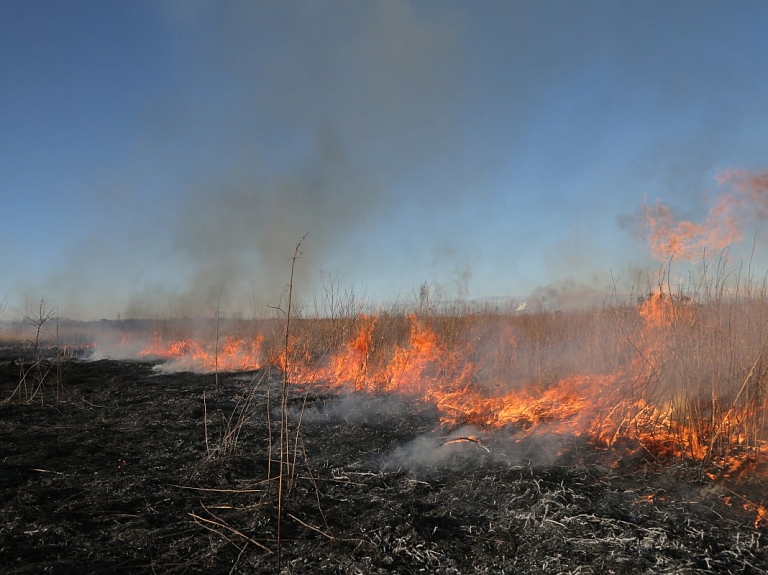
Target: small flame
{"type": "Point", "coordinates": [233, 354]}
{"type": "Point", "coordinates": [762, 516]}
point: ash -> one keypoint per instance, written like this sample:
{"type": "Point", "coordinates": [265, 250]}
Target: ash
{"type": "Point", "coordinates": [121, 470]}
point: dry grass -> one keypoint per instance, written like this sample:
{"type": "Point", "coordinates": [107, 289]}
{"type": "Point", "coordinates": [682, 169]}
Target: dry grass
{"type": "Point", "coordinates": [682, 370]}
{"type": "Point", "coordinates": [685, 368]}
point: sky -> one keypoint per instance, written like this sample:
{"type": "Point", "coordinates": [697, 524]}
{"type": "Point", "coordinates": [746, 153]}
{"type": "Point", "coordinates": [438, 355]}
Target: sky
{"type": "Point", "coordinates": [159, 158]}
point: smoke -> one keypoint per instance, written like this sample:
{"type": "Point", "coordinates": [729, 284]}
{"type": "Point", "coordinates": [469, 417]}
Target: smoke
{"type": "Point", "coordinates": [112, 343]}
{"type": "Point", "coordinates": [732, 213]}
{"type": "Point", "coordinates": [427, 453]}
{"type": "Point", "coordinates": [350, 113]}
{"type": "Point", "coordinates": [449, 142]}
{"type": "Point", "coordinates": [358, 408]}
{"type": "Point", "coordinates": [430, 452]}
{"type": "Point", "coordinates": [569, 294]}
{"type": "Point", "coordinates": [470, 447]}
{"type": "Point", "coordinates": [241, 233]}
{"type": "Point", "coordinates": [273, 122]}
{"type": "Point", "coordinates": [449, 262]}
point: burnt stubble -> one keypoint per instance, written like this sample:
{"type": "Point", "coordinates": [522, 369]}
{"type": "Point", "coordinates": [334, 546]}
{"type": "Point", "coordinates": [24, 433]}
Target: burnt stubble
{"type": "Point", "coordinates": [114, 476]}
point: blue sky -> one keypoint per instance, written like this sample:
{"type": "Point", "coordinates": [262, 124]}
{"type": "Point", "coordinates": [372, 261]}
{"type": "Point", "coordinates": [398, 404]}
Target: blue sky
{"type": "Point", "coordinates": [153, 152]}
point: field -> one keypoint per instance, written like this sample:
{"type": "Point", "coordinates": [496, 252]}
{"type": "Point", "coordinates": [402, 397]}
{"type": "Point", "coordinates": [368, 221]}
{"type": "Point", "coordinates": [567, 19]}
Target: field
{"type": "Point", "coordinates": [440, 439]}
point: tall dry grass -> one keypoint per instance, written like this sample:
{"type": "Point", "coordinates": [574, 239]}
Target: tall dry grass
{"type": "Point", "coordinates": [680, 369]}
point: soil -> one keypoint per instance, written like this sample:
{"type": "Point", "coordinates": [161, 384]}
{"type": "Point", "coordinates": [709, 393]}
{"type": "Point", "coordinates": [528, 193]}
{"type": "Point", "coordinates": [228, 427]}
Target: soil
{"type": "Point", "coordinates": [117, 468]}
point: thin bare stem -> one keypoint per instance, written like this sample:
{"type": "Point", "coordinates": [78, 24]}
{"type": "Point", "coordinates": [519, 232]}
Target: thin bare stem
{"type": "Point", "coordinates": [284, 445]}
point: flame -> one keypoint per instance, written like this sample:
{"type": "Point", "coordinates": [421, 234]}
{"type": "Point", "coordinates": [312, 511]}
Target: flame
{"type": "Point", "coordinates": [351, 364]}
{"type": "Point", "coordinates": [233, 354]}
{"type": "Point", "coordinates": [499, 374]}
{"type": "Point", "coordinates": [761, 519]}
{"type": "Point", "coordinates": [730, 212]}
{"type": "Point", "coordinates": [428, 368]}
{"type": "Point", "coordinates": [425, 366]}
{"type": "Point", "coordinates": [668, 237]}
{"type": "Point", "coordinates": [487, 371]}
{"type": "Point", "coordinates": [475, 378]}
{"type": "Point", "coordinates": [608, 409]}
{"type": "Point", "coordinates": [758, 509]}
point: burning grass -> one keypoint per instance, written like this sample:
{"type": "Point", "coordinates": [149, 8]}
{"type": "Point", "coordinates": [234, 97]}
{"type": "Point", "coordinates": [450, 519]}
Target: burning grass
{"type": "Point", "coordinates": [672, 379]}
{"type": "Point", "coordinates": [678, 375]}
{"type": "Point", "coordinates": [118, 477]}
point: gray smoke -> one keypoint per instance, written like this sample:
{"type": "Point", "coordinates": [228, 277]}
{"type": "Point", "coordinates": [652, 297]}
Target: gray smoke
{"type": "Point", "coordinates": [350, 113]}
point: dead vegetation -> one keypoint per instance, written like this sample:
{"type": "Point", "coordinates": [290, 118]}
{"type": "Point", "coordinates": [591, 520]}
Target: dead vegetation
{"type": "Point", "coordinates": [116, 477]}
{"type": "Point", "coordinates": [442, 437]}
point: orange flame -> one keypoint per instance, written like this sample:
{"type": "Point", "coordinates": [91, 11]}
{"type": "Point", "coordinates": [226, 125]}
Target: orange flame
{"type": "Point", "coordinates": [623, 406]}
{"type": "Point", "coordinates": [234, 354]}
{"type": "Point", "coordinates": [634, 401]}
{"type": "Point", "coordinates": [351, 364]}
{"type": "Point", "coordinates": [761, 519]}
{"type": "Point", "coordinates": [724, 224]}
{"type": "Point", "coordinates": [607, 409]}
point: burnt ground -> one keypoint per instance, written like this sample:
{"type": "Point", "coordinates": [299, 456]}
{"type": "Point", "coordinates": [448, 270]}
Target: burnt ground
{"type": "Point", "coordinates": [114, 476]}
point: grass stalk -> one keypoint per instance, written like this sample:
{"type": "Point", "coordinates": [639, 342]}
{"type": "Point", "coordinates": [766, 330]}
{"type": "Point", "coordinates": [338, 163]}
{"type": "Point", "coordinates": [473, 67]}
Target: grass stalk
{"type": "Point", "coordinates": [284, 437]}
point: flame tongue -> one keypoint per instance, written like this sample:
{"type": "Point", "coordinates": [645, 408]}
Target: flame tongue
{"type": "Point", "coordinates": [487, 378]}
{"type": "Point", "coordinates": [744, 201]}
{"type": "Point", "coordinates": [631, 404]}
{"type": "Point", "coordinates": [233, 354]}
{"type": "Point", "coordinates": [671, 376]}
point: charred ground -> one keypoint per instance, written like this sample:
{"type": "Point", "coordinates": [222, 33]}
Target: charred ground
{"type": "Point", "coordinates": [111, 473]}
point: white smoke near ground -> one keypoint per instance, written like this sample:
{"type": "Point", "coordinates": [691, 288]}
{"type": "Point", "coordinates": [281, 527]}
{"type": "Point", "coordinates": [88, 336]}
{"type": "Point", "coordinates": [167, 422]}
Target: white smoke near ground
{"type": "Point", "coordinates": [434, 450]}
{"type": "Point", "coordinates": [104, 350]}
{"type": "Point", "coordinates": [427, 453]}
{"type": "Point", "coordinates": [355, 408]}
{"type": "Point", "coordinates": [469, 446]}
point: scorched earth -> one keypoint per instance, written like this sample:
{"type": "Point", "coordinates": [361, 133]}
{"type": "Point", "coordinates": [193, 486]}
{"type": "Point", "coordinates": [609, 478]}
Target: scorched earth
{"type": "Point", "coordinates": [118, 468]}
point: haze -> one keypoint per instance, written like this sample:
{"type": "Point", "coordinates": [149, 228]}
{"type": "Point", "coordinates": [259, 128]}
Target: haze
{"type": "Point", "coordinates": [158, 154]}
